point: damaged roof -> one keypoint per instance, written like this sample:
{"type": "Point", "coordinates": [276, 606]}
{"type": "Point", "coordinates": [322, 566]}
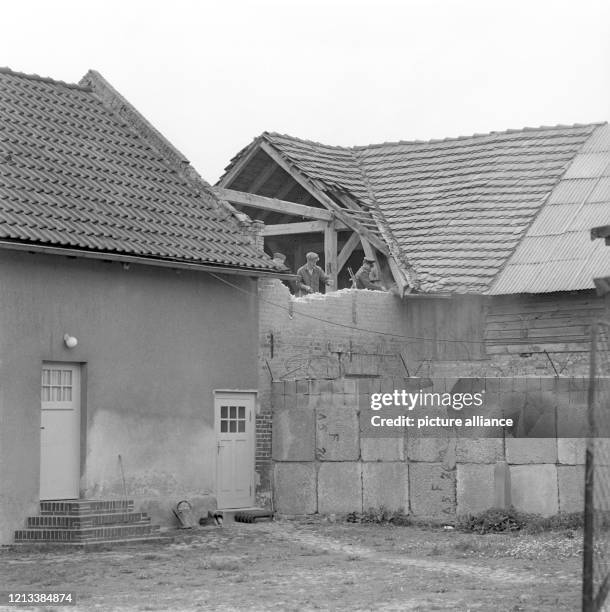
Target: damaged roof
{"type": "Point", "coordinates": [74, 173]}
{"type": "Point", "coordinates": [505, 212]}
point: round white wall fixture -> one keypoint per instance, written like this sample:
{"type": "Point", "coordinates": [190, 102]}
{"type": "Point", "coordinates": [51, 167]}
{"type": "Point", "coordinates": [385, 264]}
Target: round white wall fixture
{"type": "Point", "coordinates": [70, 341]}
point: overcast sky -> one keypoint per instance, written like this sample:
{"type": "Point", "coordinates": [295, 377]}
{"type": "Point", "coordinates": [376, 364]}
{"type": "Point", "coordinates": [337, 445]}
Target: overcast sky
{"type": "Point", "coordinates": [212, 75]}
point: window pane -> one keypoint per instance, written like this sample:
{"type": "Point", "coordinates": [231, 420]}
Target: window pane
{"type": "Point", "coordinates": [242, 412]}
{"type": "Point", "coordinates": [45, 394]}
{"type": "Point", "coordinates": [66, 377]}
{"type": "Point", "coordinates": [55, 377]}
{"type": "Point", "coordinates": [67, 394]}
{"type": "Point", "coordinates": [223, 412]}
{"type": "Point", "coordinates": [233, 412]}
{"type": "Point", "coordinates": [232, 426]}
{"type": "Point", "coordinates": [241, 426]}
{"type": "Point", "coordinates": [223, 426]}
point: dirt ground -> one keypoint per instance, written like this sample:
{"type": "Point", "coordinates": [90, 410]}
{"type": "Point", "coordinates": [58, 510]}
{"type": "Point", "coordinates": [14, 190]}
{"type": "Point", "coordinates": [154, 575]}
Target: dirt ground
{"type": "Point", "coordinates": [300, 565]}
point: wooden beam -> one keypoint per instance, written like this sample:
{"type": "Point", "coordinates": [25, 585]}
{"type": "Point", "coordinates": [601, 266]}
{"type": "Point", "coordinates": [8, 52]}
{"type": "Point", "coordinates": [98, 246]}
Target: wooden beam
{"type": "Point", "coordinates": [262, 178]}
{"type": "Point", "coordinates": [352, 242]}
{"type": "Point", "coordinates": [324, 199]}
{"type": "Point", "coordinates": [330, 253]}
{"type": "Point", "coordinates": [273, 204]}
{"type": "Point", "coordinates": [285, 229]}
{"type": "Point", "coordinates": [240, 164]}
{"type": "Point", "coordinates": [397, 273]}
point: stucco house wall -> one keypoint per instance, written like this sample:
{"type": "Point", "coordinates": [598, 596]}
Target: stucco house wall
{"type": "Point", "coordinates": [153, 343]}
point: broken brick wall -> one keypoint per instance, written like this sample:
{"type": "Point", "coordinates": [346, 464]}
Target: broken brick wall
{"type": "Point", "coordinates": [322, 337]}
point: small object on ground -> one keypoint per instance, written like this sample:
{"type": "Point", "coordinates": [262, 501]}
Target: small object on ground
{"type": "Point", "coordinates": [250, 516]}
{"type": "Point", "coordinates": [204, 520]}
{"type": "Point", "coordinates": [448, 527]}
{"type": "Point", "coordinates": [184, 513]}
{"type": "Point", "coordinates": [217, 517]}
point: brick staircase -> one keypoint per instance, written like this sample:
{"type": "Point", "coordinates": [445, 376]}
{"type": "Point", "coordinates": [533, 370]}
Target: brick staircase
{"type": "Point", "coordinates": [88, 522]}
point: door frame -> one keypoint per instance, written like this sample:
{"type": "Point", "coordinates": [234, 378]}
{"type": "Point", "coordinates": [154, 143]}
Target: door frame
{"type": "Point", "coordinates": [253, 393]}
{"type": "Point", "coordinates": [81, 369]}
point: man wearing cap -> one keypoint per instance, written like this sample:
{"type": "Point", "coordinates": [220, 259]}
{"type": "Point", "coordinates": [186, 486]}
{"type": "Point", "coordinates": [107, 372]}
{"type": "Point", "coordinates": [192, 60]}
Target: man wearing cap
{"type": "Point", "coordinates": [362, 278]}
{"type": "Point", "coordinates": [310, 275]}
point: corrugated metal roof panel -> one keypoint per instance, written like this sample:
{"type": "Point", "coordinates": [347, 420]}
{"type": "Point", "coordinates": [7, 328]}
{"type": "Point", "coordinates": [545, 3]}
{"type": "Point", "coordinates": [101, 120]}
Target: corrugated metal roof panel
{"type": "Point", "coordinates": [568, 259]}
{"type": "Point", "coordinates": [588, 165]}
{"type": "Point", "coordinates": [599, 141]}
{"type": "Point", "coordinates": [553, 220]}
{"type": "Point", "coordinates": [573, 191]}
{"type": "Point", "coordinates": [601, 191]}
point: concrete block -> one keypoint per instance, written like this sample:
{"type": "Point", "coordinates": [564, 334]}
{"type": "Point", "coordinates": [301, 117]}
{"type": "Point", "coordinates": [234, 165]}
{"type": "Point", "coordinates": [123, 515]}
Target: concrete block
{"type": "Point", "coordinates": [531, 450]}
{"type": "Point", "coordinates": [432, 491]}
{"type": "Point", "coordinates": [571, 479]}
{"type": "Point", "coordinates": [601, 451]}
{"type": "Point", "coordinates": [295, 488]}
{"type": "Point", "coordinates": [385, 484]}
{"type": "Point", "coordinates": [293, 435]}
{"type": "Point", "coordinates": [534, 488]}
{"type": "Point", "coordinates": [475, 487]}
{"type": "Point", "coordinates": [572, 418]}
{"type": "Point", "coordinates": [382, 449]}
{"type": "Point", "coordinates": [571, 451]}
{"type": "Point", "coordinates": [337, 433]}
{"type": "Point", "coordinates": [340, 487]}
{"type": "Point", "coordinates": [432, 449]}
{"type": "Point", "coordinates": [479, 450]}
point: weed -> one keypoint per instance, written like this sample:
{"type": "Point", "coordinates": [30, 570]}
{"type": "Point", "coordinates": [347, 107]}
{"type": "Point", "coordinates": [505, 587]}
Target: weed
{"type": "Point", "coordinates": [500, 520]}
{"type": "Point", "coordinates": [380, 516]}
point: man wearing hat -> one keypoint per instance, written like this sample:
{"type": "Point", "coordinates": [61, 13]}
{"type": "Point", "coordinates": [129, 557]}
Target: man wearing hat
{"type": "Point", "coordinates": [362, 278]}
{"type": "Point", "coordinates": [310, 275]}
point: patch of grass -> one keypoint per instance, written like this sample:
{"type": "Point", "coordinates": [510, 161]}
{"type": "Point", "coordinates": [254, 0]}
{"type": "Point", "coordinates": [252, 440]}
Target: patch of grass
{"type": "Point", "coordinates": [500, 520]}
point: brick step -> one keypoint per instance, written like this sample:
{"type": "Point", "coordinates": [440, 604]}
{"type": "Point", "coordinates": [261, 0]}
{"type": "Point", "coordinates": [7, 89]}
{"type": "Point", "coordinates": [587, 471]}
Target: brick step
{"type": "Point", "coordinates": [80, 507]}
{"type": "Point", "coordinates": [91, 534]}
{"type": "Point", "coordinates": [86, 520]}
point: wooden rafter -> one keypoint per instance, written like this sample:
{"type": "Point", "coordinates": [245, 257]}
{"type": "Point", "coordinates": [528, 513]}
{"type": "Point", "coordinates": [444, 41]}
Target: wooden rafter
{"type": "Point", "coordinates": [324, 199]}
{"type": "Point", "coordinates": [397, 273]}
{"type": "Point", "coordinates": [273, 204]}
{"type": "Point", "coordinates": [348, 248]}
{"type": "Point", "coordinates": [240, 164]}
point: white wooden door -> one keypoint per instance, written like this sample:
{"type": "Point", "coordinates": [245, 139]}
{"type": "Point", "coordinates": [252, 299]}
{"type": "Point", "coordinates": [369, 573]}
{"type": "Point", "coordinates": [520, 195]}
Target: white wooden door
{"type": "Point", "coordinates": [60, 431]}
{"type": "Point", "coordinates": [235, 429]}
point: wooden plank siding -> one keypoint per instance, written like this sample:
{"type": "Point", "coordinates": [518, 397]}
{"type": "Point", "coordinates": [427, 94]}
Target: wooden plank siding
{"type": "Point", "coordinates": [554, 322]}
{"type": "Point", "coordinates": [446, 329]}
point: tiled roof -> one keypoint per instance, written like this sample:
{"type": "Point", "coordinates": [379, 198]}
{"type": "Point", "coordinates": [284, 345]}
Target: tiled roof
{"type": "Point", "coordinates": [556, 253]}
{"type": "Point", "coordinates": [74, 175]}
{"type": "Point", "coordinates": [458, 208]}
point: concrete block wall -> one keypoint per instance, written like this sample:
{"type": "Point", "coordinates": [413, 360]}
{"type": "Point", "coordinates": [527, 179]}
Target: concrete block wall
{"type": "Point", "coordinates": [311, 348]}
{"type": "Point", "coordinates": [326, 462]}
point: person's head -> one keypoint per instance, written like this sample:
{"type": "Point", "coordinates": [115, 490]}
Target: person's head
{"type": "Point", "coordinates": [311, 259]}
{"type": "Point", "coordinates": [368, 262]}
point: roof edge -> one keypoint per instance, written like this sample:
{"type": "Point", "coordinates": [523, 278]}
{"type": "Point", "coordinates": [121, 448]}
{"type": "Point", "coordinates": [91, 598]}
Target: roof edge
{"type": "Point", "coordinates": [159, 262]}
{"type": "Point", "coordinates": [592, 124]}
{"type": "Point", "coordinates": [127, 113]}
{"type": "Point", "coordinates": [41, 79]}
